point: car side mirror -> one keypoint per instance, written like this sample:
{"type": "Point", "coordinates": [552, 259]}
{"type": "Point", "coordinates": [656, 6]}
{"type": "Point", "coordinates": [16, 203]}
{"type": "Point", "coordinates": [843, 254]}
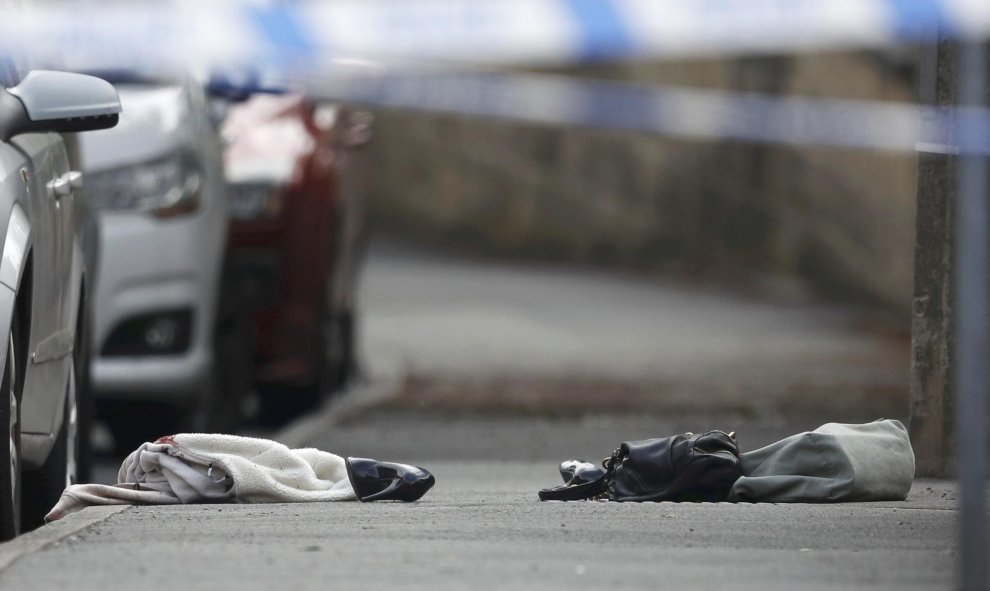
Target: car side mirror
{"type": "Point", "coordinates": [57, 101]}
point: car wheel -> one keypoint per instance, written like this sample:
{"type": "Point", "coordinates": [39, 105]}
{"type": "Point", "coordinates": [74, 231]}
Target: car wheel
{"type": "Point", "coordinates": [337, 346]}
{"type": "Point", "coordinates": [43, 488]}
{"type": "Point", "coordinates": [84, 398]}
{"type": "Point", "coordinates": [231, 379]}
{"type": "Point", "coordinates": [332, 365]}
{"type": "Point", "coordinates": [337, 362]}
{"type": "Point", "coordinates": [133, 422]}
{"type": "Point", "coordinates": [10, 454]}
{"type": "Point", "coordinates": [281, 403]}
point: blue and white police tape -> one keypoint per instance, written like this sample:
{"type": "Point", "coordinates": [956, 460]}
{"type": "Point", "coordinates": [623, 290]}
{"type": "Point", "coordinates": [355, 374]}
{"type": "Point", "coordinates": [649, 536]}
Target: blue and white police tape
{"type": "Point", "coordinates": [305, 41]}
{"type": "Point", "coordinates": [306, 33]}
{"type": "Point", "coordinates": [686, 112]}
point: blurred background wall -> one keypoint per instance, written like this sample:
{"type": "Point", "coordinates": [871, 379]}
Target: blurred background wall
{"type": "Point", "coordinates": [841, 221]}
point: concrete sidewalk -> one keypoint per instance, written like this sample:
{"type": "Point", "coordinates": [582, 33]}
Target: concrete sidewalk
{"type": "Point", "coordinates": [483, 528]}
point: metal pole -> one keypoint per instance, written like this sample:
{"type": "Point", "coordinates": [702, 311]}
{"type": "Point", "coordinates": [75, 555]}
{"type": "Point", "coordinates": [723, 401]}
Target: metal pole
{"type": "Point", "coordinates": [973, 345]}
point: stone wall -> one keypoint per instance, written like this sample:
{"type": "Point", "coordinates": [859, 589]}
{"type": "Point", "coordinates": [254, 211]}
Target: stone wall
{"type": "Point", "coordinates": [842, 219]}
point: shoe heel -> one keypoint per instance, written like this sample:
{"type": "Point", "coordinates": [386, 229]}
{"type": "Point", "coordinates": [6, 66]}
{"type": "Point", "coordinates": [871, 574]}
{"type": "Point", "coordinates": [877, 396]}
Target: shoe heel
{"type": "Point", "coordinates": [385, 481]}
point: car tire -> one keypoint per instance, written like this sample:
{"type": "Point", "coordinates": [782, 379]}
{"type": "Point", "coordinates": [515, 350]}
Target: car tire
{"type": "Point", "coordinates": [231, 379]}
{"type": "Point", "coordinates": [337, 362]}
{"type": "Point", "coordinates": [84, 397]}
{"type": "Point", "coordinates": [133, 422]}
{"type": "Point", "coordinates": [43, 488]}
{"type": "Point", "coordinates": [281, 403]}
{"type": "Point", "coordinates": [10, 454]}
{"type": "Point", "coordinates": [333, 364]}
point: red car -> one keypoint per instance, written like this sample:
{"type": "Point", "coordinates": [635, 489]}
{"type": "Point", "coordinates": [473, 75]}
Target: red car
{"type": "Point", "coordinates": [295, 178]}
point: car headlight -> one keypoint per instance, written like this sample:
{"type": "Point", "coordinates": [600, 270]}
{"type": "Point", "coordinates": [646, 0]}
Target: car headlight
{"type": "Point", "coordinates": [165, 187]}
{"type": "Point", "coordinates": [253, 201]}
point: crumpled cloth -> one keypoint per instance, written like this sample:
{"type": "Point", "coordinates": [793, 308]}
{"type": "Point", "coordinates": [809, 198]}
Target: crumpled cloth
{"type": "Point", "coordinates": [835, 462]}
{"type": "Point", "coordinates": [205, 468]}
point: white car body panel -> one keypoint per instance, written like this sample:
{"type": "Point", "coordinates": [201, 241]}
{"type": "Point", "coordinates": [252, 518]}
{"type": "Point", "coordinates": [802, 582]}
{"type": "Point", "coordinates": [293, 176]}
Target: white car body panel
{"type": "Point", "coordinates": [155, 121]}
{"type": "Point", "coordinates": [149, 264]}
{"type": "Point", "coordinates": [50, 349]}
{"type": "Point", "coordinates": [46, 237]}
{"type": "Point", "coordinates": [41, 226]}
{"type": "Point", "coordinates": [15, 248]}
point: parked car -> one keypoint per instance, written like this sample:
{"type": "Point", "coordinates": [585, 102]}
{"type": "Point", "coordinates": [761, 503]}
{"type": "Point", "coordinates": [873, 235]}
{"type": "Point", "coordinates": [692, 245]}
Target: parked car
{"type": "Point", "coordinates": [43, 285]}
{"type": "Point", "coordinates": [295, 173]}
{"type": "Point", "coordinates": [156, 181]}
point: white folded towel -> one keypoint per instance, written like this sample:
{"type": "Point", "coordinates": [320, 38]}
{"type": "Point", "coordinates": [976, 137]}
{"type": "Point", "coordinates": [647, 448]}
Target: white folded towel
{"type": "Point", "coordinates": [198, 468]}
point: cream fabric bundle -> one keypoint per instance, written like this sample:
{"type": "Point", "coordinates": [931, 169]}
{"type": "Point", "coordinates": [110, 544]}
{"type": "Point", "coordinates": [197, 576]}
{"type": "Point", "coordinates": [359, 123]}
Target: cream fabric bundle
{"type": "Point", "coordinates": [198, 468]}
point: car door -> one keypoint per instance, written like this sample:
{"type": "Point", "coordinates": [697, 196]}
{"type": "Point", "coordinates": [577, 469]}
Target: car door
{"type": "Point", "coordinates": [50, 340]}
{"type": "Point", "coordinates": [36, 161]}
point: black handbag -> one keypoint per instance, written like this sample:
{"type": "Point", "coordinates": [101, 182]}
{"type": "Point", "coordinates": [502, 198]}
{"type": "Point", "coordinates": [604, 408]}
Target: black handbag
{"type": "Point", "coordinates": [685, 467]}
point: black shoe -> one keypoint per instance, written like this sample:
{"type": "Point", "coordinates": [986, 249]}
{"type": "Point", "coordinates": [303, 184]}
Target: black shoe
{"type": "Point", "coordinates": [385, 481]}
{"type": "Point", "coordinates": [575, 472]}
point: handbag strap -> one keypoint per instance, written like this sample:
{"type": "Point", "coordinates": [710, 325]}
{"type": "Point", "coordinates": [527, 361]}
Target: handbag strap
{"type": "Point", "coordinates": [587, 490]}
{"type": "Point", "coordinates": [576, 492]}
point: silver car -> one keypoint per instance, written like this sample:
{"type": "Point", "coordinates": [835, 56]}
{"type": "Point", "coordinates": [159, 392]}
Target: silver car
{"type": "Point", "coordinates": [43, 282]}
{"type": "Point", "coordinates": [156, 182]}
